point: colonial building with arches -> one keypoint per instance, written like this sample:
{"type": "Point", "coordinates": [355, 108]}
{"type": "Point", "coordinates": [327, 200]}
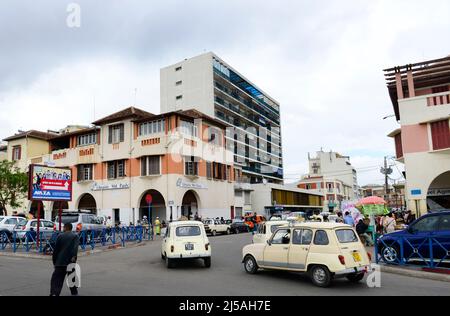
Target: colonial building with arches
{"type": "Point", "coordinates": [178, 158]}
{"type": "Point", "coordinates": [180, 161]}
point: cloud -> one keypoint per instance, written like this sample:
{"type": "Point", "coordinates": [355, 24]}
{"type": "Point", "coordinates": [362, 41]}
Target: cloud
{"type": "Point", "coordinates": [322, 60]}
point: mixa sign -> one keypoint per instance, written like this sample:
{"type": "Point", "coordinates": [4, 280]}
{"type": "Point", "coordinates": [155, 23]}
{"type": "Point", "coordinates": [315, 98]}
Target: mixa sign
{"type": "Point", "coordinates": [50, 183]}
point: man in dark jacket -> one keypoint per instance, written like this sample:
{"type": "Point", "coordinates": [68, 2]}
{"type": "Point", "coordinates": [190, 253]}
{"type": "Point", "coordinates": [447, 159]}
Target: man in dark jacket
{"type": "Point", "coordinates": [64, 254]}
{"type": "Point", "coordinates": [361, 230]}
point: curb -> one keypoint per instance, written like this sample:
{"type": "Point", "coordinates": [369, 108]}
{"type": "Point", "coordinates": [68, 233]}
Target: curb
{"type": "Point", "coordinates": [415, 273]}
{"type": "Point", "coordinates": [85, 253]}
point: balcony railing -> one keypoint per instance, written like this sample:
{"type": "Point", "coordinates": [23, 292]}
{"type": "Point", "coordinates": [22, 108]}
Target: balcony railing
{"type": "Point", "coordinates": [439, 99]}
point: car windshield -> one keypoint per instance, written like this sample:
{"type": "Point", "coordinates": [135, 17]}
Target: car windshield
{"type": "Point", "coordinates": [273, 228]}
{"type": "Point", "coordinates": [346, 235]}
{"type": "Point", "coordinates": [185, 231]}
{"type": "Point", "coordinates": [67, 219]}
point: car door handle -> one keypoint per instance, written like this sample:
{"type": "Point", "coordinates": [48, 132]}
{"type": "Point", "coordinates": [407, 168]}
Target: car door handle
{"type": "Point", "coordinates": [285, 248]}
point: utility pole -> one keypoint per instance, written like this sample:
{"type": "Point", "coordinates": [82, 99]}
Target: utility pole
{"type": "Point", "coordinates": [386, 184]}
{"type": "Point", "coordinates": [386, 171]}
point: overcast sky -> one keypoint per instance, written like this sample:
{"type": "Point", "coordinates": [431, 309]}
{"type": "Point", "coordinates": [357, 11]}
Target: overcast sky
{"type": "Point", "coordinates": [322, 60]}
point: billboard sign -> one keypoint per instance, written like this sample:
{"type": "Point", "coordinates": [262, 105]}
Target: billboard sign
{"type": "Point", "coordinates": [50, 183]}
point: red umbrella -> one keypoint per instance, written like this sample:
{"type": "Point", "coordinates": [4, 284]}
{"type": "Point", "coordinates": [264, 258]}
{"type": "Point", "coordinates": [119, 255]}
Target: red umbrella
{"type": "Point", "coordinates": [371, 200]}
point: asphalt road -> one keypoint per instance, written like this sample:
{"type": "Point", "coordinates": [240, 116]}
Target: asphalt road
{"type": "Point", "coordinates": [140, 271]}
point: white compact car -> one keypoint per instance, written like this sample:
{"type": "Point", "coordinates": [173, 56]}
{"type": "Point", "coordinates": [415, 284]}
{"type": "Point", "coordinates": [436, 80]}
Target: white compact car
{"type": "Point", "coordinates": [185, 240]}
{"type": "Point", "coordinates": [215, 226]}
{"type": "Point", "coordinates": [323, 250]}
{"type": "Point", "coordinates": [266, 229]}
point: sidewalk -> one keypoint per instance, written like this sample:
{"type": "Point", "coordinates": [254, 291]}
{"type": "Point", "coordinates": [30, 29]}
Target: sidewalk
{"type": "Point", "coordinates": [410, 270]}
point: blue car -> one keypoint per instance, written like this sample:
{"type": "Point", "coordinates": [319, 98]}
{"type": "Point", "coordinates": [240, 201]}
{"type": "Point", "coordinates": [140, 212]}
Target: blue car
{"type": "Point", "coordinates": [426, 238]}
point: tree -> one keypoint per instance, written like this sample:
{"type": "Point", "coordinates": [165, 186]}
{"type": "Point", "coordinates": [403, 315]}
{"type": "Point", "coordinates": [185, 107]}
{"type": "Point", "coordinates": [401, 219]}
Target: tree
{"type": "Point", "coordinates": [13, 185]}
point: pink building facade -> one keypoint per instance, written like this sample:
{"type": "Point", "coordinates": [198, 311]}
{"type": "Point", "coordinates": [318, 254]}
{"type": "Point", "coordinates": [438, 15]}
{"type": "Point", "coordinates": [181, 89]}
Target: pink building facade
{"type": "Point", "coordinates": [420, 94]}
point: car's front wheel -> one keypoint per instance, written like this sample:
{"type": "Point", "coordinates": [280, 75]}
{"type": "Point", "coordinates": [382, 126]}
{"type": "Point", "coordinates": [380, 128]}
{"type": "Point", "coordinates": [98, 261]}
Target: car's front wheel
{"type": "Point", "coordinates": [250, 264]}
{"type": "Point", "coordinates": [213, 233]}
{"type": "Point", "coordinates": [228, 231]}
{"type": "Point", "coordinates": [207, 262]}
{"type": "Point", "coordinates": [355, 277]}
{"type": "Point", "coordinates": [320, 276]}
{"type": "Point", "coordinates": [390, 254]}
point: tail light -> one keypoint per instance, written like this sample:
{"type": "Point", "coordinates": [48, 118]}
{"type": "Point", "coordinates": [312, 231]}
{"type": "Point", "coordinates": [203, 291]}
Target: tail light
{"type": "Point", "coordinates": [342, 259]}
{"type": "Point", "coordinates": [207, 246]}
{"type": "Point", "coordinates": [54, 227]}
{"type": "Point", "coordinates": [79, 227]}
{"type": "Point", "coordinates": [24, 227]}
{"type": "Point", "coordinates": [370, 256]}
{"type": "Point", "coordinates": [172, 248]}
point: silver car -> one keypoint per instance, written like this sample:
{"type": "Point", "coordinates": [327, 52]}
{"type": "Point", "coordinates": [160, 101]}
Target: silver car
{"type": "Point", "coordinates": [46, 227]}
{"type": "Point", "coordinates": [7, 225]}
{"type": "Point", "coordinates": [80, 221]}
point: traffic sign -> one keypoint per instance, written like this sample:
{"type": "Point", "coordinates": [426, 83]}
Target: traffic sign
{"type": "Point", "coordinates": [148, 198]}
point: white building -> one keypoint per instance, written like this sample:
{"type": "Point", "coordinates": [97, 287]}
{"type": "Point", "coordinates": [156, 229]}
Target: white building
{"type": "Point", "coordinates": [208, 84]}
{"type": "Point", "coordinates": [334, 166]}
{"type": "Point", "coordinates": [334, 191]}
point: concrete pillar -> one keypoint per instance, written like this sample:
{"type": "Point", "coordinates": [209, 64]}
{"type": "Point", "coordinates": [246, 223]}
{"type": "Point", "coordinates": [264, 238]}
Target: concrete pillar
{"type": "Point", "coordinates": [411, 88]}
{"type": "Point", "coordinates": [398, 81]}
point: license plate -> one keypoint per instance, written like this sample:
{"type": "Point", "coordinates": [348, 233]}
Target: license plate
{"type": "Point", "coordinates": [356, 256]}
{"type": "Point", "coordinates": [189, 247]}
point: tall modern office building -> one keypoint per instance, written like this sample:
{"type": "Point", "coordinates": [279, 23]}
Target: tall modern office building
{"type": "Point", "coordinates": [210, 85]}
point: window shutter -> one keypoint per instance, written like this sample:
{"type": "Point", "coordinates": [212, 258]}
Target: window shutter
{"type": "Point", "coordinates": [143, 166]}
{"type": "Point", "coordinates": [20, 152]}
{"type": "Point", "coordinates": [110, 135]}
{"type": "Point", "coordinates": [440, 134]}
{"type": "Point", "coordinates": [122, 133]}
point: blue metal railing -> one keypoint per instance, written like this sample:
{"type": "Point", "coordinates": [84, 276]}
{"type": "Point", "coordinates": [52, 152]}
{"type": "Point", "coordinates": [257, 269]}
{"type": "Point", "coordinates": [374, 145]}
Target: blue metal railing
{"type": "Point", "coordinates": [428, 252]}
{"type": "Point", "coordinates": [89, 239]}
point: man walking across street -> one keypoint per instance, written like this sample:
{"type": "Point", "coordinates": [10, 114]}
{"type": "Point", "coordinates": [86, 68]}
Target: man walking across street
{"type": "Point", "coordinates": [64, 254]}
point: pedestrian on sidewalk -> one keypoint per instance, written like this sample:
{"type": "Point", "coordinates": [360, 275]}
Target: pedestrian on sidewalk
{"type": "Point", "coordinates": [64, 254]}
{"type": "Point", "coordinates": [361, 229]}
{"type": "Point", "coordinates": [339, 219]}
{"type": "Point", "coordinates": [348, 219]}
{"type": "Point", "coordinates": [389, 224]}
{"type": "Point", "coordinates": [157, 226]}
{"type": "Point", "coordinates": [409, 217]}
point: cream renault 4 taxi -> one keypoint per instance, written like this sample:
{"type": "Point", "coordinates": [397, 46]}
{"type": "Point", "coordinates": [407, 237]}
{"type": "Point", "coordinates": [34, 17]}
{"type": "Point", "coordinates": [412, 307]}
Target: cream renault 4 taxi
{"type": "Point", "coordinates": [185, 240]}
{"type": "Point", "coordinates": [266, 229]}
{"type": "Point", "coordinates": [323, 250]}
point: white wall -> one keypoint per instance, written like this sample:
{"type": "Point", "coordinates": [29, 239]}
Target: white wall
{"type": "Point", "coordinates": [197, 86]}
